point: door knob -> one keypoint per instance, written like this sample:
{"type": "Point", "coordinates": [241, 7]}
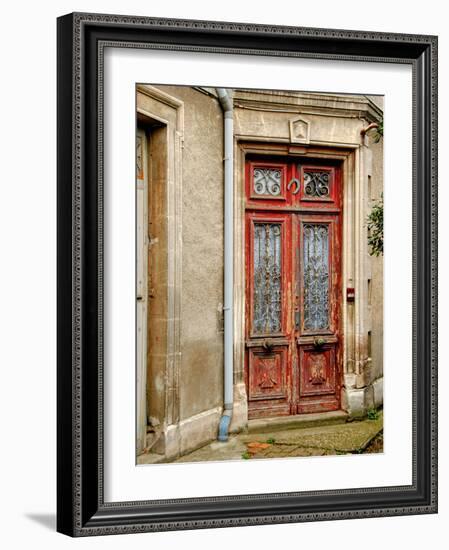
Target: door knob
{"type": "Point", "coordinates": [296, 182]}
{"type": "Point", "coordinates": [319, 343]}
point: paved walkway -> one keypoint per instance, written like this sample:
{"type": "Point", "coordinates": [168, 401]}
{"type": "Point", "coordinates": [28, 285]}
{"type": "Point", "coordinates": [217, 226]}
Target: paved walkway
{"type": "Point", "coordinates": [358, 436]}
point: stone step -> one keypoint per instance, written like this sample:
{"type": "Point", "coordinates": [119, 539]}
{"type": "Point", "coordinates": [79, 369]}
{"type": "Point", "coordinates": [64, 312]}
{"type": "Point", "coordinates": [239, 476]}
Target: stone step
{"type": "Point", "coordinates": [264, 425]}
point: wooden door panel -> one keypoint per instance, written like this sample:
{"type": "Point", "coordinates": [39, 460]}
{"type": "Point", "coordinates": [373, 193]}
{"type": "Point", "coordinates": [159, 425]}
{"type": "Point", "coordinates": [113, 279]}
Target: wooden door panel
{"type": "Point", "coordinates": [318, 376]}
{"type": "Point", "coordinates": [318, 274]}
{"type": "Point", "coordinates": [268, 326]}
{"type": "Point", "coordinates": [269, 275]}
{"type": "Point", "coordinates": [267, 181]}
{"type": "Point", "coordinates": [268, 184]}
{"type": "Point", "coordinates": [320, 296]}
{"type": "Point", "coordinates": [319, 186]}
{"type": "Point", "coordinates": [268, 373]}
{"type": "Point", "coordinates": [293, 287]}
{"type": "Point", "coordinates": [317, 404]}
{"type": "Point", "coordinates": [269, 381]}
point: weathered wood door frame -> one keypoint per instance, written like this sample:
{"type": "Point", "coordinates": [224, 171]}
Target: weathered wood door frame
{"type": "Point", "coordinates": [141, 284]}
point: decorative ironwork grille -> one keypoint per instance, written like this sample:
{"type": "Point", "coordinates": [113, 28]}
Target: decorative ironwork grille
{"type": "Point", "coordinates": [316, 276]}
{"type": "Point", "coordinates": [267, 278]}
{"type": "Point", "coordinates": [267, 181]}
{"type": "Point", "coordinates": [316, 184]}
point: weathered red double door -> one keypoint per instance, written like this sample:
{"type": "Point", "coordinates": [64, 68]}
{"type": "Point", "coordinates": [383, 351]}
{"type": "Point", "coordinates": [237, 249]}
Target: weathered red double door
{"type": "Point", "coordinates": [293, 287]}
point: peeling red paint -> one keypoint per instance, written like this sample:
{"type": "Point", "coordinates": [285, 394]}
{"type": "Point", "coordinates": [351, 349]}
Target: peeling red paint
{"type": "Point", "coordinates": [292, 371]}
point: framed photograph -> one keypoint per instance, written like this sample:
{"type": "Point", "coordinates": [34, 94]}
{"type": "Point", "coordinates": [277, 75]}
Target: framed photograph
{"type": "Point", "coordinates": [247, 277]}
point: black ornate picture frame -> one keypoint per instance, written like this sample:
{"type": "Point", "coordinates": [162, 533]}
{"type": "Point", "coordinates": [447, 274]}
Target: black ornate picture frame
{"type": "Point", "coordinates": [81, 510]}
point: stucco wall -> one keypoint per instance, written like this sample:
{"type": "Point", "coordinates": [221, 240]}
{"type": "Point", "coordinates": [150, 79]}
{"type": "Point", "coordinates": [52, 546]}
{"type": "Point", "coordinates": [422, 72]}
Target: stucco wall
{"type": "Point", "coordinates": [377, 294]}
{"type": "Point", "coordinates": [201, 372]}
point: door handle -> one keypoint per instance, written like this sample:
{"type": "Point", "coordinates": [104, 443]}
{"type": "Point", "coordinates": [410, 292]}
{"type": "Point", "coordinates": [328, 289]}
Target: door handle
{"type": "Point", "coordinates": [267, 345]}
{"type": "Point", "coordinates": [296, 182]}
{"type": "Point", "coordinates": [270, 342]}
{"type": "Point", "coordinates": [319, 343]}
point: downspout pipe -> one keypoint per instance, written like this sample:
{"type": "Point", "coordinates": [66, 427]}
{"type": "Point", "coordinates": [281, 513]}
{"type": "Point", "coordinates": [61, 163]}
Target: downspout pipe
{"type": "Point", "coordinates": [363, 131]}
{"type": "Point", "coordinates": [368, 128]}
{"type": "Point", "coordinates": [228, 306]}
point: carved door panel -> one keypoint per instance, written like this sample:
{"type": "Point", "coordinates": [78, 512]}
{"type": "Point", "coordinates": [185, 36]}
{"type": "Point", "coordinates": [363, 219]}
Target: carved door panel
{"type": "Point", "coordinates": [293, 289]}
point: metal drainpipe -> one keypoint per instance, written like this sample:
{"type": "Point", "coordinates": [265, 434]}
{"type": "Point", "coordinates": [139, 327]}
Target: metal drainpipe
{"type": "Point", "coordinates": [228, 307]}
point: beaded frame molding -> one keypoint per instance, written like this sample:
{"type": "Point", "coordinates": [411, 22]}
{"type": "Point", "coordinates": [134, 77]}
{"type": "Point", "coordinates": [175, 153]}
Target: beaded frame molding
{"type": "Point", "coordinates": [82, 37]}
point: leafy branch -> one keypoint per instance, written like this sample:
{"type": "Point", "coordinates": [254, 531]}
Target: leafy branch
{"type": "Point", "coordinates": [375, 222]}
{"type": "Point", "coordinates": [379, 132]}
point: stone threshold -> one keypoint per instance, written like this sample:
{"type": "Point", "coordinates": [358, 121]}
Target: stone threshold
{"type": "Point", "coordinates": [264, 425]}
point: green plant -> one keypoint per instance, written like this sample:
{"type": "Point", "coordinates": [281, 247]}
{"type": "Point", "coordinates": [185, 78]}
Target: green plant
{"type": "Point", "coordinates": [372, 414]}
{"type": "Point", "coordinates": [379, 132]}
{"type": "Point", "coordinates": [271, 440]}
{"type": "Point", "coordinates": [246, 455]}
{"type": "Point", "coordinates": [375, 223]}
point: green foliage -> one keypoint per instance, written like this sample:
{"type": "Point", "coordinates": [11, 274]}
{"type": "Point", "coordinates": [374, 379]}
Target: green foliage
{"type": "Point", "coordinates": [379, 132]}
{"type": "Point", "coordinates": [376, 229]}
{"type": "Point", "coordinates": [372, 414]}
{"type": "Point", "coordinates": [246, 455]}
{"type": "Point", "coordinates": [271, 440]}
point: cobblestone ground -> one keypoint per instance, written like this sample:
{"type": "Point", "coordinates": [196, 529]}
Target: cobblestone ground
{"type": "Point", "coordinates": [358, 436]}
